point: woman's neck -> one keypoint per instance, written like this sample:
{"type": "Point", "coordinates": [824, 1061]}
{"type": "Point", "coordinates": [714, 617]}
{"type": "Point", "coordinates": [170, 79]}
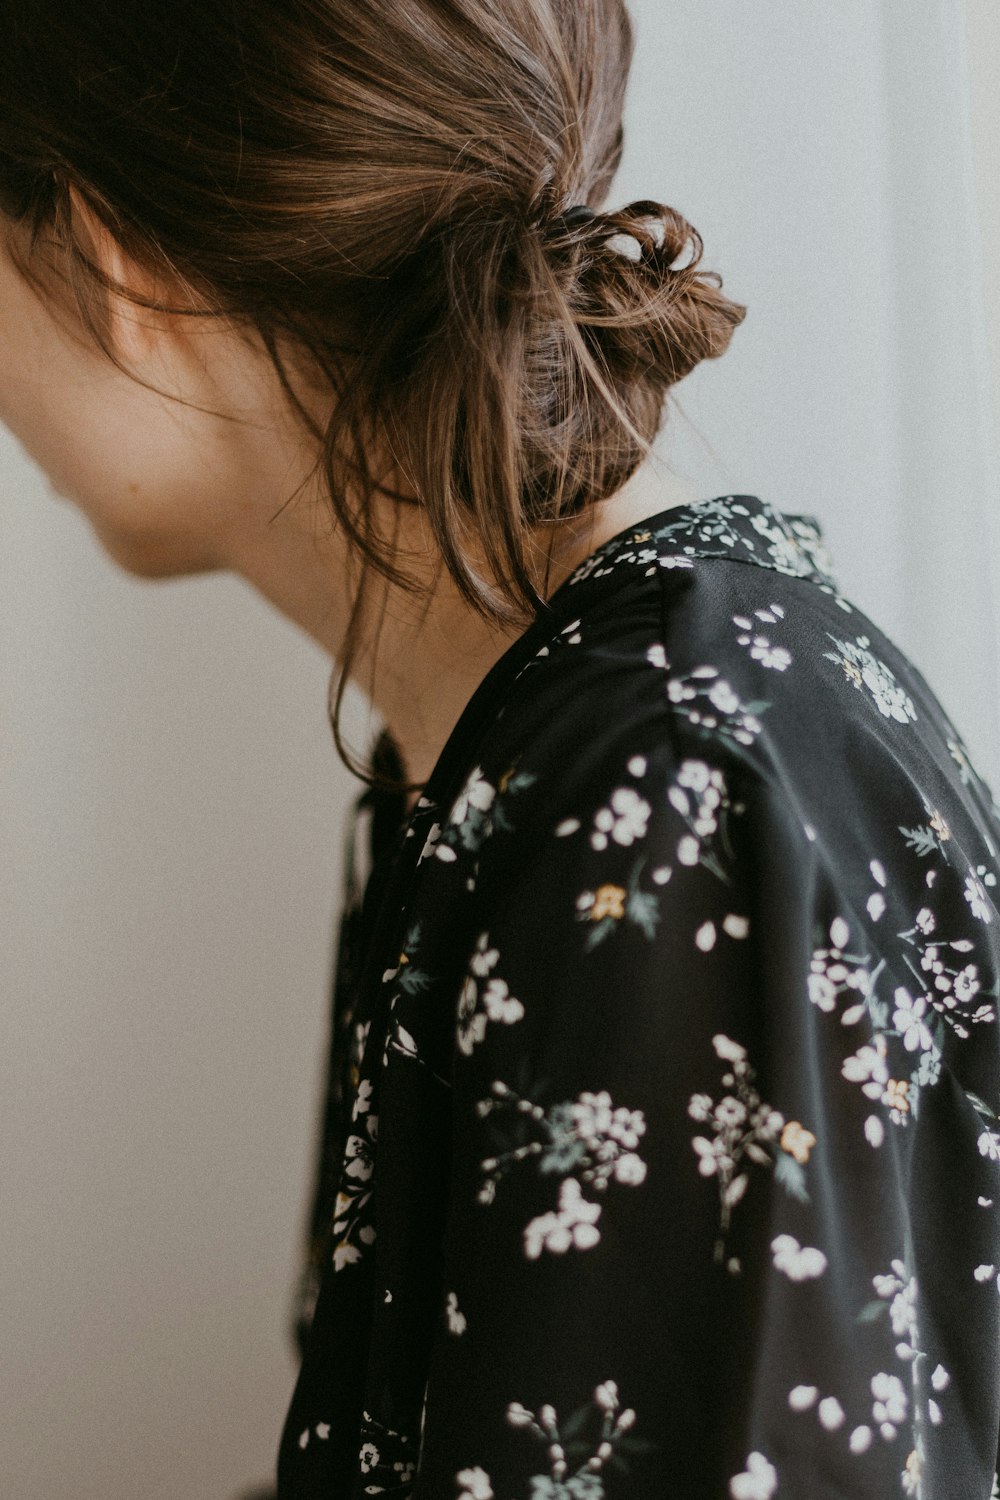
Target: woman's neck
{"type": "Point", "coordinates": [431, 654]}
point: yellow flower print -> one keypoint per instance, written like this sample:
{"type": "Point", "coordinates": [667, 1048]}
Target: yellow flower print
{"type": "Point", "coordinates": [609, 901]}
{"type": "Point", "coordinates": [853, 672]}
{"type": "Point", "coordinates": [940, 826]}
{"type": "Point", "coordinates": [895, 1095]}
{"type": "Point", "coordinates": [797, 1141]}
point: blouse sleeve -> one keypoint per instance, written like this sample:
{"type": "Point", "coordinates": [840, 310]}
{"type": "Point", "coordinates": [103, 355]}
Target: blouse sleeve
{"type": "Point", "coordinates": [644, 1292]}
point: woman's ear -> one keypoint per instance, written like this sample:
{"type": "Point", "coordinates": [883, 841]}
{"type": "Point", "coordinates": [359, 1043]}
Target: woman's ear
{"type": "Point", "coordinates": [136, 332]}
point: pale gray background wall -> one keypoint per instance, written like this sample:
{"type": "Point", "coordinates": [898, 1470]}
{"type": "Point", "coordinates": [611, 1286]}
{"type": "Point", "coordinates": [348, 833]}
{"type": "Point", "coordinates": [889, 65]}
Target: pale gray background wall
{"type": "Point", "coordinates": [171, 808]}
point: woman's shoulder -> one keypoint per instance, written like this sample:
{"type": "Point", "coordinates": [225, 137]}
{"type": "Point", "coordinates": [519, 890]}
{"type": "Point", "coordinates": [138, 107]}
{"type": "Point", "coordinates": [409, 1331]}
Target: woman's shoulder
{"type": "Point", "coordinates": [760, 686]}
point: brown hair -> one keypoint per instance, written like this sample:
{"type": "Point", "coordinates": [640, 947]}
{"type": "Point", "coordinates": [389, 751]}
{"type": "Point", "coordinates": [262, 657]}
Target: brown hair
{"type": "Point", "coordinates": [379, 183]}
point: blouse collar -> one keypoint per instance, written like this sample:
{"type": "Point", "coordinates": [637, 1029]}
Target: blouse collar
{"type": "Point", "coordinates": [741, 528]}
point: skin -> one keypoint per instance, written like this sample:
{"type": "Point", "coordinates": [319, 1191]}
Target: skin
{"type": "Point", "coordinates": [171, 491]}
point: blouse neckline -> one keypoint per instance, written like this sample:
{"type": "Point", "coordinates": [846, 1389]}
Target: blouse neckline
{"type": "Point", "coordinates": [740, 528]}
{"type": "Point", "coordinates": [743, 528]}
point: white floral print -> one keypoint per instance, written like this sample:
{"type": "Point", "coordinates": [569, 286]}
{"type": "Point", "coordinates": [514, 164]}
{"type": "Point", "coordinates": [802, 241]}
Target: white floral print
{"type": "Point", "coordinates": [701, 796]}
{"type": "Point", "coordinates": [587, 1137]}
{"type": "Point", "coordinates": [480, 1003]}
{"type": "Point", "coordinates": [863, 668]}
{"type": "Point", "coordinates": [744, 1128]}
{"type": "Point", "coordinates": [758, 1481]}
{"type": "Point", "coordinates": [351, 1226]}
{"type": "Point", "coordinates": [623, 820]}
{"type": "Point", "coordinates": [612, 1427]}
{"type": "Point", "coordinates": [666, 1050]}
{"type": "Point", "coordinates": [710, 704]}
{"type": "Point", "coordinates": [779, 658]}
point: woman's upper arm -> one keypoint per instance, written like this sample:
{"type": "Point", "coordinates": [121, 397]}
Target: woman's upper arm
{"type": "Point", "coordinates": [613, 1158]}
{"type": "Point", "coordinates": [684, 1234]}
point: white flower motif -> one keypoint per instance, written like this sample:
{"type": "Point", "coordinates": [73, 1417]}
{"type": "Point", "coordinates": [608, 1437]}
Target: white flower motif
{"type": "Point", "coordinates": [477, 792]}
{"type": "Point", "coordinates": [688, 849]}
{"type": "Point", "coordinates": [840, 933]}
{"type": "Point", "coordinates": [975, 894]}
{"type": "Point", "coordinates": [868, 1067]}
{"type": "Point", "coordinates": [799, 1262]}
{"type": "Point", "coordinates": [760, 646]}
{"type": "Point", "coordinates": [679, 799]}
{"type": "Point", "coordinates": [624, 819]}
{"type": "Point", "coordinates": [903, 1314]}
{"type": "Point", "coordinates": [830, 1413]}
{"type": "Point", "coordinates": [630, 1169]}
{"type": "Point", "coordinates": [574, 1223]}
{"type": "Point", "coordinates": [693, 774]}
{"type": "Point", "coordinates": [730, 1111]}
{"type": "Point", "coordinates": [471, 1022]}
{"type": "Point", "coordinates": [456, 1319]}
{"type": "Point", "coordinates": [476, 1484]}
{"type": "Point", "coordinates": [606, 1395]}
{"type": "Point", "coordinates": [484, 957]}
{"type": "Point", "coordinates": [889, 1405]}
{"type": "Point", "coordinates": [722, 697]}
{"type": "Point", "coordinates": [430, 843]}
{"type": "Point", "coordinates": [770, 656]}
{"type": "Point", "coordinates": [908, 1020]}
{"type": "Point", "coordinates": [967, 983]}
{"type": "Point", "coordinates": [892, 701]}
{"type": "Point", "coordinates": [758, 1481]}
{"type": "Point", "coordinates": [710, 1154]}
{"type": "Point", "coordinates": [500, 1003]}
{"type": "Point", "coordinates": [356, 1154]}
{"type": "Point", "coordinates": [821, 991]}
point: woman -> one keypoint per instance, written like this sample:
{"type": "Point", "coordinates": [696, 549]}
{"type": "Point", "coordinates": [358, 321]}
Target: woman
{"type": "Point", "coordinates": [662, 1152]}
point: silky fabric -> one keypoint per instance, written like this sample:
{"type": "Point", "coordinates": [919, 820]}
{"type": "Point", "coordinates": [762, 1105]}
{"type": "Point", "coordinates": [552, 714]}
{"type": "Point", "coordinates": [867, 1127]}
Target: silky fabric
{"type": "Point", "coordinates": [660, 1155]}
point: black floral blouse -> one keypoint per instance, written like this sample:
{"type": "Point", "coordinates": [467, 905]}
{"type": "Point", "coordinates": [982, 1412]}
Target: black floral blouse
{"type": "Point", "coordinates": [662, 1151]}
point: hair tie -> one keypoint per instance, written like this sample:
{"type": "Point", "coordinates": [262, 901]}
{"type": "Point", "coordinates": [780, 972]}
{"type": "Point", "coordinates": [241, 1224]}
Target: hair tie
{"type": "Point", "coordinates": [578, 214]}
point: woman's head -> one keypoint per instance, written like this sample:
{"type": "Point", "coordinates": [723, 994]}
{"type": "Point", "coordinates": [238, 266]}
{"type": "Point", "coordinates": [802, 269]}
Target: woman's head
{"type": "Point", "coordinates": [367, 194]}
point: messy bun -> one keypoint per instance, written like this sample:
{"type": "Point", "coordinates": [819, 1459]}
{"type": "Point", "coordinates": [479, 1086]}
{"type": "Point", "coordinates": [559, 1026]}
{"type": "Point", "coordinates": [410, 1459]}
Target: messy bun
{"type": "Point", "coordinates": [619, 321]}
{"type": "Point", "coordinates": [407, 195]}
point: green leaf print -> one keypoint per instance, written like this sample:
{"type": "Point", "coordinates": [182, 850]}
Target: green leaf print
{"type": "Point", "coordinates": [790, 1175]}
